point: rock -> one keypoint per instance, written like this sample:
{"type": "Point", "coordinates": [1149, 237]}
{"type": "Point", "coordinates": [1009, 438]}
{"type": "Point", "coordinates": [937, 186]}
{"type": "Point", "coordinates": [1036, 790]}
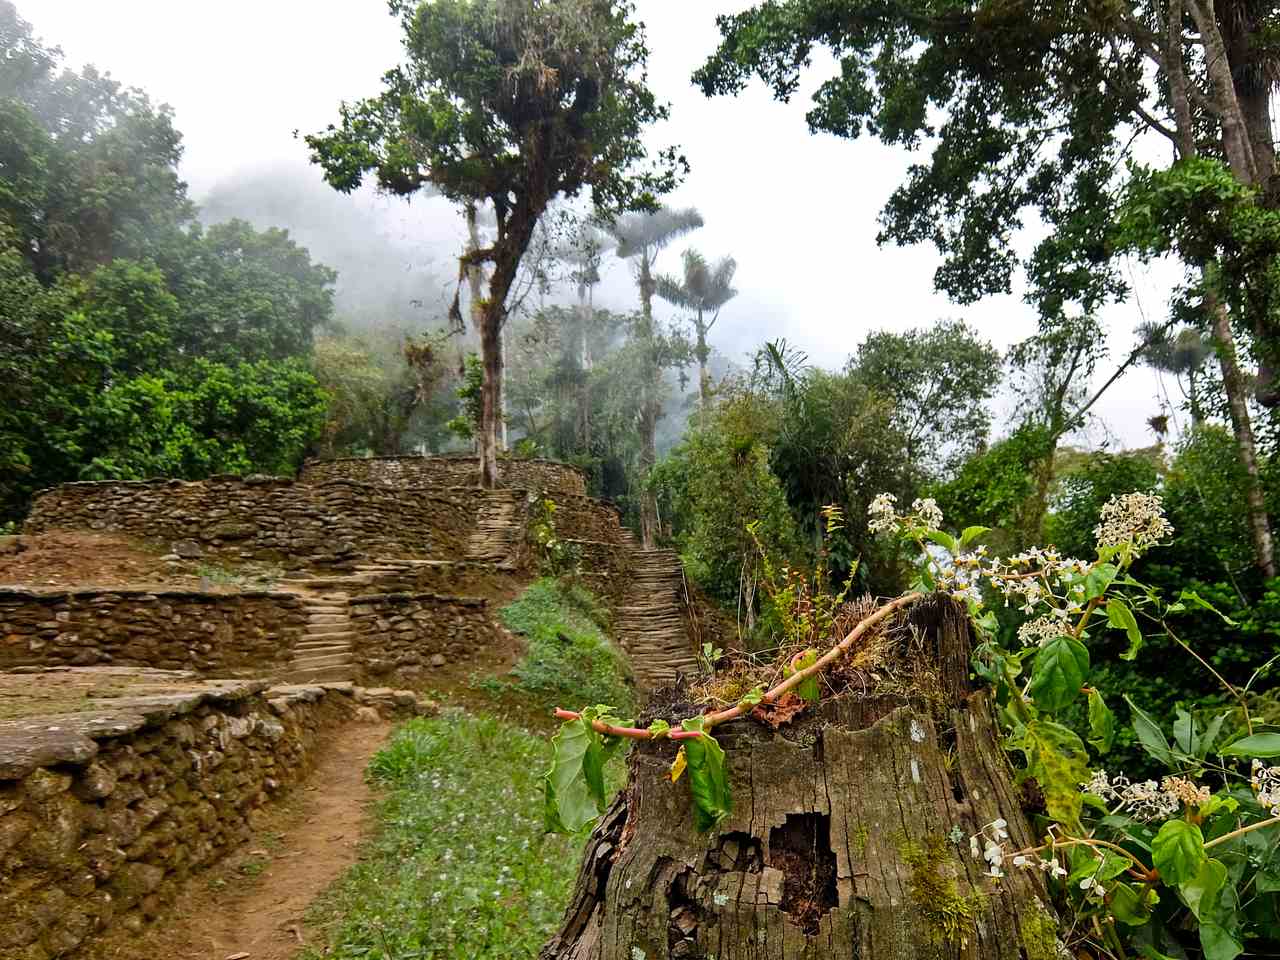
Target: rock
{"type": "Point", "coordinates": [404, 698]}
{"type": "Point", "coordinates": [367, 715]}
{"type": "Point", "coordinates": [10, 545]}
{"type": "Point", "coordinates": [230, 531]}
{"type": "Point", "coordinates": [438, 660]}
{"type": "Point", "coordinates": [94, 782]}
{"type": "Point", "coordinates": [187, 549]}
{"type": "Point", "coordinates": [170, 558]}
{"type": "Point", "coordinates": [43, 784]}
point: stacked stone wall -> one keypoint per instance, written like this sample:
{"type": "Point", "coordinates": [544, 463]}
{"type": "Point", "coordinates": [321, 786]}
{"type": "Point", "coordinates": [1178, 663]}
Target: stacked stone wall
{"type": "Point", "coordinates": [404, 634]}
{"type": "Point", "coordinates": [448, 472]}
{"type": "Point", "coordinates": [582, 518]}
{"type": "Point", "coordinates": [103, 819]}
{"type": "Point", "coordinates": [212, 633]}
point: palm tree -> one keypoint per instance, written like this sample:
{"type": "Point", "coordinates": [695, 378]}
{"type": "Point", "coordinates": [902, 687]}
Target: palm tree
{"type": "Point", "coordinates": [704, 290]}
{"type": "Point", "coordinates": [1182, 355]}
{"type": "Point", "coordinates": [643, 236]}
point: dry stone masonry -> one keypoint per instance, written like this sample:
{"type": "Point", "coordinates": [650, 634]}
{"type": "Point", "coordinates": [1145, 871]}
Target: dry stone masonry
{"type": "Point", "coordinates": [529, 474]}
{"type": "Point", "coordinates": [213, 633]}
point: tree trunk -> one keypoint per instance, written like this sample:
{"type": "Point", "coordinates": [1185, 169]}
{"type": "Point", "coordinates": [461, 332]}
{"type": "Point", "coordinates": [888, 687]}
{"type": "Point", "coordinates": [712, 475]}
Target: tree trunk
{"type": "Point", "coordinates": [849, 836]}
{"type": "Point", "coordinates": [704, 378]}
{"type": "Point", "coordinates": [1233, 385]}
{"type": "Point", "coordinates": [490, 399]}
{"type": "Point", "coordinates": [650, 409]}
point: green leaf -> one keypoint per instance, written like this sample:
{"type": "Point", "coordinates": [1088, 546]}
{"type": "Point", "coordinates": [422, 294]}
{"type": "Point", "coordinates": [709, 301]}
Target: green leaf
{"type": "Point", "coordinates": [1098, 579]}
{"type": "Point", "coordinates": [944, 540]}
{"type": "Point", "coordinates": [1121, 617]}
{"type": "Point", "coordinates": [659, 728]}
{"type": "Point", "coordinates": [569, 801]}
{"type": "Point", "coordinates": [752, 697]}
{"type": "Point", "coordinates": [1260, 745]}
{"type": "Point", "coordinates": [1150, 735]}
{"type": "Point", "coordinates": [1056, 757]}
{"type": "Point", "coordinates": [1190, 596]}
{"type": "Point", "coordinates": [1058, 673]}
{"type": "Point", "coordinates": [1178, 851]}
{"type": "Point", "coordinates": [1128, 905]}
{"type": "Point", "coordinates": [1210, 735]}
{"type": "Point", "coordinates": [1102, 723]}
{"type": "Point", "coordinates": [807, 689]}
{"type": "Point", "coordinates": [970, 534]}
{"type": "Point", "coordinates": [1201, 892]}
{"type": "Point", "coordinates": [1218, 942]}
{"type": "Point", "coordinates": [708, 779]}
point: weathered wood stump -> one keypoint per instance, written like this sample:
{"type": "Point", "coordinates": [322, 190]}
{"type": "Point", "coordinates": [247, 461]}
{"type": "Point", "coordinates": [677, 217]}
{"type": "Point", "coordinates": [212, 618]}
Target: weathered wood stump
{"type": "Point", "coordinates": [849, 835]}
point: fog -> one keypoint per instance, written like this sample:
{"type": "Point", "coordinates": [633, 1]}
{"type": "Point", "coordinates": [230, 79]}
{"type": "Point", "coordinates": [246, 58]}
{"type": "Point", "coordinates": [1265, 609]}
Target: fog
{"type": "Point", "coordinates": [798, 211]}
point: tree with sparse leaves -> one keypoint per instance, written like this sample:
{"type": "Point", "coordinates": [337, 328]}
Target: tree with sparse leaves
{"type": "Point", "coordinates": [704, 288]}
{"type": "Point", "coordinates": [510, 103]}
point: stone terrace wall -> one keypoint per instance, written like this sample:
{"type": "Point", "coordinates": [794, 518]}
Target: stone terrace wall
{"type": "Point", "coordinates": [582, 518]}
{"type": "Point", "coordinates": [448, 472]}
{"type": "Point", "coordinates": [103, 818]}
{"type": "Point", "coordinates": [270, 519]}
{"type": "Point", "coordinates": [406, 633]}
{"type": "Point", "coordinates": [214, 634]}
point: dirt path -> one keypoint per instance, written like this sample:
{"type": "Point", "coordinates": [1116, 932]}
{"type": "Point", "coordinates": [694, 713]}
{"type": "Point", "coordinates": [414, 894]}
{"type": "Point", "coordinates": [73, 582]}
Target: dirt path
{"type": "Point", "coordinates": [251, 906]}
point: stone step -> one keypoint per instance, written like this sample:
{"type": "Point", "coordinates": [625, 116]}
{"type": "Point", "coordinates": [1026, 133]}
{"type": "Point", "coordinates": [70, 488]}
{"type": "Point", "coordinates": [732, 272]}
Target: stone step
{"type": "Point", "coordinates": [309, 652]}
{"type": "Point", "coordinates": [325, 674]}
{"type": "Point", "coordinates": [337, 625]}
{"type": "Point", "coordinates": [326, 606]}
{"type": "Point", "coordinates": [318, 619]}
{"type": "Point", "coordinates": [329, 632]}
{"type": "Point", "coordinates": [320, 660]}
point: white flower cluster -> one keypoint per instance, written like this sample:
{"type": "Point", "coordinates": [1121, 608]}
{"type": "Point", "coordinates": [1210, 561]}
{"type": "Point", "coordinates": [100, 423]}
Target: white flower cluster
{"type": "Point", "coordinates": [883, 514]}
{"type": "Point", "coordinates": [1266, 782]}
{"type": "Point", "coordinates": [1034, 578]}
{"type": "Point", "coordinates": [1147, 801]}
{"type": "Point", "coordinates": [1132, 517]}
{"type": "Point", "coordinates": [884, 518]}
{"type": "Point", "coordinates": [989, 844]}
{"type": "Point", "coordinates": [1038, 632]}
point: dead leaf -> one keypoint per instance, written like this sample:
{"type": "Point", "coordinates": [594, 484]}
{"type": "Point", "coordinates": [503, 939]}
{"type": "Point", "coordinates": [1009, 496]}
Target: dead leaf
{"type": "Point", "coordinates": [780, 711]}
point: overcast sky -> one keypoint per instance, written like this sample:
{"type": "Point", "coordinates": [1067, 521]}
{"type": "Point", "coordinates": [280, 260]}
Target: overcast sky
{"type": "Point", "coordinates": [797, 211]}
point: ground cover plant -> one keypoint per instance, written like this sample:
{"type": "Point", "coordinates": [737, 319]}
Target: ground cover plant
{"type": "Point", "coordinates": [460, 865]}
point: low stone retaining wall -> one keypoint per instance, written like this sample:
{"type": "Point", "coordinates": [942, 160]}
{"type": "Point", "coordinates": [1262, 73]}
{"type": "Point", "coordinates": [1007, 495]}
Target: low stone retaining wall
{"type": "Point", "coordinates": [448, 472]}
{"type": "Point", "coordinates": [466, 578]}
{"type": "Point", "coordinates": [104, 814]}
{"type": "Point", "coordinates": [586, 519]}
{"type": "Point", "coordinates": [406, 634]}
{"type": "Point", "coordinates": [212, 633]}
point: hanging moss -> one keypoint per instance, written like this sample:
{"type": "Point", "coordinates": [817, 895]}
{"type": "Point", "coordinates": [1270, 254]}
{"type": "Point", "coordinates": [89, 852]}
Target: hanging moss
{"type": "Point", "coordinates": [950, 917]}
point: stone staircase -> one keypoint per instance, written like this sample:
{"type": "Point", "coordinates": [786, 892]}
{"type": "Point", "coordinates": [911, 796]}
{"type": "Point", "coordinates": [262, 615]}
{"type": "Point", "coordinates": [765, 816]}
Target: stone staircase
{"type": "Point", "coordinates": [500, 528]}
{"type": "Point", "coordinates": [324, 652]}
{"type": "Point", "coordinates": [650, 622]}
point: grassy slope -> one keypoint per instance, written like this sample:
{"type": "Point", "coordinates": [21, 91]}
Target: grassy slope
{"type": "Point", "coordinates": [460, 866]}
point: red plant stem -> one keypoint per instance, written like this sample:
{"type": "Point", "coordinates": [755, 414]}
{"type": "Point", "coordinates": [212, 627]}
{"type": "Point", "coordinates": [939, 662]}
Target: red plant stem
{"type": "Point", "coordinates": [732, 713]}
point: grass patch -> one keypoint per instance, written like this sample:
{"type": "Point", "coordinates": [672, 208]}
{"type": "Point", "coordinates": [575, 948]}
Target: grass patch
{"type": "Point", "coordinates": [460, 866]}
{"type": "Point", "coordinates": [570, 660]}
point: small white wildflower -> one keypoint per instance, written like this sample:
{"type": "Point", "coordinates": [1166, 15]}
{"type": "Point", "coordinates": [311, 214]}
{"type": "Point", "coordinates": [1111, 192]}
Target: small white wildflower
{"type": "Point", "coordinates": [884, 516]}
{"type": "Point", "coordinates": [1136, 518]}
{"type": "Point", "coordinates": [1038, 632]}
{"type": "Point", "coordinates": [1021, 861]}
{"type": "Point", "coordinates": [974, 849]}
{"type": "Point", "coordinates": [928, 512]}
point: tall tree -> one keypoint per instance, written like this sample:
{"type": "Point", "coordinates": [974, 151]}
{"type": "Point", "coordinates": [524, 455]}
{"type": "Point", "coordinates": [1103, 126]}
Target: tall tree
{"type": "Point", "coordinates": [584, 252]}
{"type": "Point", "coordinates": [643, 236]}
{"type": "Point", "coordinates": [510, 103]}
{"type": "Point", "coordinates": [1183, 355]}
{"type": "Point", "coordinates": [704, 289]}
{"type": "Point", "coordinates": [1038, 106]}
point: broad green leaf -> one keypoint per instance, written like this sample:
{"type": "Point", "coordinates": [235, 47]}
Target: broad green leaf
{"type": "Point", "coordinates": [1184, 731]}
{"type": "Point", "coordinates": [1102, 868]}
{"type": "Point", "coordinates": [1260, 745]}
{"type": "Point", "coordinates": [1098, 579]}
{"type": "Point", "coordinates": [1059, 671]}
{"type": "Point", "coordinates": [944, 540]}
{"type": "Point", "coordinates": [708, 779]}
{"type": "Point", "coordinates": [1218, 942]}
{"type": "Point", "coordinates": [1128, 904]}
{"type": "Point", "coordinates": [569, 801]}
{"type": "Point", "coordinates": [1210, 735]}
{"type": "Point", "coordinates": [1150, 735]}
{"type": "Point", "coordinates": [1121, 617]}
{"type": "Point", "coordinates": [1056, 757]}
{"type": "Point", "coordinates": [1102, 723]}
{"type": "Point", "coordinates": [1201, 891]}
{"type": "Point", "coordinates": [970, 534]}
{"type": "Point", "coordinates": [807, 689]}
{"type": "Point", "coordinates": [659, 728]}
{"type": "Point", "coordinates": [1178, 851]}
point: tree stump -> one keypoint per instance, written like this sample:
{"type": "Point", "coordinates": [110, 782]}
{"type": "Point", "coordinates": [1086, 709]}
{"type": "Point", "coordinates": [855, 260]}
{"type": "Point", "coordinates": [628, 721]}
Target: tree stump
{"type": "Point", "coordinates": [849, 835]}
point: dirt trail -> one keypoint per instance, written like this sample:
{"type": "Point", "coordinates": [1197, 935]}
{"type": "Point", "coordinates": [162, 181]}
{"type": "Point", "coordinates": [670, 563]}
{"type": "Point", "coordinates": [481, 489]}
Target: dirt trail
{"type": "Point", "coordinates": [251, 906]}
